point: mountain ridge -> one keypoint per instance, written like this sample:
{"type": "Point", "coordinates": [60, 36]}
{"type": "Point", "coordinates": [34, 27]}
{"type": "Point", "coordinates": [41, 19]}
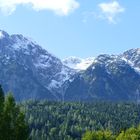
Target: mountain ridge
{"type": "Point", "coordinates": [29, 56]}
{"type": "Point", "coordinates": [110, 77]}
{"type": "Point", "coordinates": [31, 72]}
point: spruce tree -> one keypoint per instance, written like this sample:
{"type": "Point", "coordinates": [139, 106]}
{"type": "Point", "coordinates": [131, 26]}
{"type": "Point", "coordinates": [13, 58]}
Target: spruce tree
{"type": "Point", "coordinates": [15, 127]}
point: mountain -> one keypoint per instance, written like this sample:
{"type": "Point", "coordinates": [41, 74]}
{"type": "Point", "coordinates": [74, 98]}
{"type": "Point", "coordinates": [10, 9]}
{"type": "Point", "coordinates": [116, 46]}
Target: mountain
{"type": "Point", "coordinates": [110, 77]}
{"type": "Point", "coordinates": [78, 63]}
{"type": "Point", "coordinates": [132, 57]}
{"type": "Point", "coordinates": [29, 71]}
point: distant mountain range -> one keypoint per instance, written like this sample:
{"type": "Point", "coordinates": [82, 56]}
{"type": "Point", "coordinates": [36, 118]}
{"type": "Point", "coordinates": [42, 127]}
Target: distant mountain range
{"type": "Point", "coordinates": [31, 72]}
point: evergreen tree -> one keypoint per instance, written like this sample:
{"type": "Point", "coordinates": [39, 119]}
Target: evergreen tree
{"type": "Point", "coordinates": [15, 127]}
{"type": "Point", "coordinates": [21, 128]}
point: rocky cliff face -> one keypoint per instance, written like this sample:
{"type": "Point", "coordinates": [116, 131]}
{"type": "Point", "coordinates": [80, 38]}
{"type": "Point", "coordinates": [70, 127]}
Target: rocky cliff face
{"type": "Point", "coordinates": [30, 71]}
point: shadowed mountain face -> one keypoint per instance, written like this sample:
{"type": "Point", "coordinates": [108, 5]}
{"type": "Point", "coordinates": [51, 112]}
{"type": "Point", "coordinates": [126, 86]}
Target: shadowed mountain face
{"type": "Point", "coordinates": [108, 78]}
{"type": "Point", "coordinates": [31, 72]}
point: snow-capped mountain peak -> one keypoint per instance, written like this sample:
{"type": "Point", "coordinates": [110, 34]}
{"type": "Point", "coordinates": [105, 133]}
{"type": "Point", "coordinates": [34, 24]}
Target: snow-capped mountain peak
{"type": "Point", "coordinates": [29, 62]}
{"type": "Point", "coordinates": [78, 63]}
{"type": "Point", "coordinates": [31, 72]}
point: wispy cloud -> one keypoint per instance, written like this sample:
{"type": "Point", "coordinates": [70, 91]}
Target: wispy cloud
{"type": "Point", "coordinates": [60, 7]}
{"type": "Point", "coordinates": [110, 11]}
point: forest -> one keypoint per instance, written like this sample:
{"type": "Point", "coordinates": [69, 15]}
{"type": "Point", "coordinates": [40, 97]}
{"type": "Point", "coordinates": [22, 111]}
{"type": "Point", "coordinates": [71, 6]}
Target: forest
{"type": "Point", "coordinates": [51, 120]}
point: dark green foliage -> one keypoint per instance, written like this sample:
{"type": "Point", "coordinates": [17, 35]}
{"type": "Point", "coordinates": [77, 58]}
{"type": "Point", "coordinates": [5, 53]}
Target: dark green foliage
{"type": "Point", "coordinates": [12, 120]}
{"type": "Point", "coordinates": [1, 99]}
{"type": "Point", "coordinates": [70, 120]}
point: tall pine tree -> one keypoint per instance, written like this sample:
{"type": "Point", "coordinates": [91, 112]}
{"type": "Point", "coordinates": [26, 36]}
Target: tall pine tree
{"type": "Point", "coordinates": [12, 119]}
{"type": "Point", "coordinates": [15, 127]}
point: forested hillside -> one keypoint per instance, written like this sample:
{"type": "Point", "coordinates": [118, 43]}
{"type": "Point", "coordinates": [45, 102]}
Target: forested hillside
{"type": "Point", "coordinates": [69, 120]}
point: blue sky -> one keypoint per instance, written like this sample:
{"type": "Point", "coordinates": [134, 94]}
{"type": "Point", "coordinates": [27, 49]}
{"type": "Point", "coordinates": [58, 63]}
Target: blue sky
{"type": "Point", "coordinates": [80, 28]}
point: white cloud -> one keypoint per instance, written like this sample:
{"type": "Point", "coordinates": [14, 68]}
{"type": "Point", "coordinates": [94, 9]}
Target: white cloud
{"type": "Point", "coordinates": [60, 7]}
{"type": "Point", "coordinates": [110, 11]}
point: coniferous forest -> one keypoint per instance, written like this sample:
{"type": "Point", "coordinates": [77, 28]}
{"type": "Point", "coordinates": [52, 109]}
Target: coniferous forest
{"type": "Point", "coordinates": [51, 120]}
